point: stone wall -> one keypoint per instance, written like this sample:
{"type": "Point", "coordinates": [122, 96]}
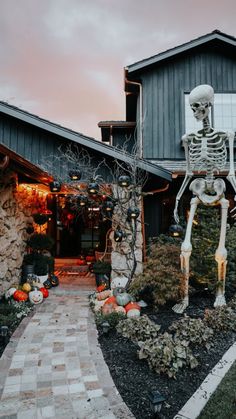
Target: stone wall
{"type": "Point", "coordinates": [14, 218]}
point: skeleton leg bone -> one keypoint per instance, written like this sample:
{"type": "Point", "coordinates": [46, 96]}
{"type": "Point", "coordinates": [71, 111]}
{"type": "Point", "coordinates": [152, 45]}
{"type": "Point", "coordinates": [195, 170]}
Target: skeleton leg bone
{"type": "Point", "coordinates": [186, 250]}
{"type": "Point", "coordinates": [221, 256]}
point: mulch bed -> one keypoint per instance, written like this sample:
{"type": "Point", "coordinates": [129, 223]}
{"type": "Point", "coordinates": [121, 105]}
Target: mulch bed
{"type": "Point", "coordinates": [134, 379]}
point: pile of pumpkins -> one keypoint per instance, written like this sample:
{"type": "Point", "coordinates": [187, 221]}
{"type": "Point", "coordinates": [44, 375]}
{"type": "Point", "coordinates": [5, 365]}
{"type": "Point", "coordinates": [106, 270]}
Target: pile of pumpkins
{"type": "Point", "coordinates": [116, 300]}
{"type": "Point", "coordinates": [27, 292]}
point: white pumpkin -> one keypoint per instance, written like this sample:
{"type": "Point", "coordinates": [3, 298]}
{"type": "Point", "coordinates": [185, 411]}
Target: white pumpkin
{"type": "Point", "coordinates": [133, 313]}
{"type": "Point", "coordinates": [9, 293]}
{"type": "Point", "coordinates": [36, 297]}
{"type": "Point", "coordinates": [119, 281]}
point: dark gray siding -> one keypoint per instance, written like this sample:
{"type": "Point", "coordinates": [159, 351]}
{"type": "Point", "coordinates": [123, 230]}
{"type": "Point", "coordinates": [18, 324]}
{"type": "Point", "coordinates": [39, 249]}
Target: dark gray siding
{"type": "Point", "coordinates": [163, 96]}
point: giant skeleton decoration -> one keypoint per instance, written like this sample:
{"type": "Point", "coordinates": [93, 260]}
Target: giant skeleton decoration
{"type": "Point", "coordinates": [205, 151]}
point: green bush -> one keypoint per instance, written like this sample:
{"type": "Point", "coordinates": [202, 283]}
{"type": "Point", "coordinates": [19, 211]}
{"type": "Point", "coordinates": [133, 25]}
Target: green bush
{"type": "Point", "coordinates": [194, 331]}
{"type": "Point", "coordinates": [112, 318]}
{"type": "Point", "coordinates": [138, 329]}
{"type": "Point", "coordinates": [161, 277]}
{"type": "Point", "coordinates": [39, 242]}
{"type": "Point", "coordinates": [221, 318]}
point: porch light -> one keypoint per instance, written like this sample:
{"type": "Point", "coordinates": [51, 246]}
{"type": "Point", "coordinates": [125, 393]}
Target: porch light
{"type": "Point", "coordinates": [93, 188]}
{"type": "Point", "coordinates": [176, 230]}
{"type": "Point", "coordinates": [155, 400]}
{"type": "Point", "coordinates": [133, 213]}
{"type": "Point", "coordinates": [55, 186]}
{"type": "Point", "coordinates": [124, 181]}
{"type": "Point", "coordinates": [75, 174]}
{"type": "Point", "coordinates": [118, 235]}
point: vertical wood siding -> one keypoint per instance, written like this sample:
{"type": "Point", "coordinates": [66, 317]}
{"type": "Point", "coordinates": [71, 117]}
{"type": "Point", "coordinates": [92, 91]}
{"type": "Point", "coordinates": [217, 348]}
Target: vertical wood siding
{"type": "Point", "coordinates": [163, 97]}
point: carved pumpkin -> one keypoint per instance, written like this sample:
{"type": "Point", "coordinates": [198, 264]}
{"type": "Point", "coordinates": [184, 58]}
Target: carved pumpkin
{"type": "Point", "coordinates": [36, 297]}
{"type": "Point", "coordinates": [133, 313]}
{"type": "Point", "coordinates": [132, 306]}
{"type": "Point", "coordinates": [54, 280]}
{"type": "Point", "coordinates": [26, 287]}
{"type": "Point", "coordinates": [44, 291]}
{"type": "Point", "coordinates": [123, 299]}
{"type": "Point", "coordinates": [20, 295]}
{"type": "Point", "coordinates": [9, 293]}
{"type": "Point", "coordinates": [103, 295]}
{"type": "Point", "coordinates": [47, 284]}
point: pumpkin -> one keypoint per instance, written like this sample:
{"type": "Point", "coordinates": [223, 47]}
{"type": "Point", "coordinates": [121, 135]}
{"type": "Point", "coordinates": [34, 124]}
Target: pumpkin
{"type": "Point", "coordinates": [26, 287]}
{"type": "Point", "coordinates": [103, 295]}
{"type": "Point", "coordinates": [101, 288]}
{"type": "Point", "coordinates": [90, 259]}
{"type": "Point", "coordinates": [123, 299]}
{"type": "Point", "coordinates": [44, 291]}
{"type": "Point", "coordinates": [118, 290]}
{"type": "Point", "coordinates": [111, 300]}
{"type": "Point", "coordinates": [54, 280]}
{"type": "Point", "coordinates": [36, 297]}
{"type": "Point", "coordinates": [119, 281]}
{"type": "Point", "coordinates": [107, 309]}
{"type": "Point", "coordinates": [120, 309]}
{"type": "Point", "coordinates": [132, 306]}
{"type": "Point", "coordinates": [9, 293]}
{"type": "Point", "coordinates": [133, 313]}
{"type": "Point", "coordinates": [47, 284]}
{"type": "Point", "coordinates": [20, 295]}
{"type": "Point", "coordinates": [81, 262]}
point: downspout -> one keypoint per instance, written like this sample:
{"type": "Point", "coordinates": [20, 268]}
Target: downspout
{"type": "Point", "coordinates": [135, 83]}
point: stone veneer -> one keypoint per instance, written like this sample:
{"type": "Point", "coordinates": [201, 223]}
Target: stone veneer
{"type": "Point", "coordinates": [15, 216]}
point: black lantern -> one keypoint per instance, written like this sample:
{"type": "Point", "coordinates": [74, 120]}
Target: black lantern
{"type": "Point", "coordinates": [47, 284]}
{"type": "Point", "coordinates": [55, 186]}
{"type": "Point", "coordinates": [108, 206]}
{"type": "Point", "coordinates": [133, 213]}
{"type": "Point", "coordinates": [176, 230]}
{"type": "Point", "coordinates": [156, 400]}
{"type": "Point", "coordinates": [75, 174]}
{"type": "Point", "coordinates": [93, 188]}
{"type": "Point", "coordinates": [118, 235]}
{"type": "Point", "coordinates": [82, 200]}
{"type": "Point", "coordinates": [124, 181]}
{"type": "Point", "coordinates": [54, 280]}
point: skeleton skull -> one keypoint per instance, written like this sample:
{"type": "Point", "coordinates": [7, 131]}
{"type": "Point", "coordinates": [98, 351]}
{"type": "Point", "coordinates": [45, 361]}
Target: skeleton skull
{"type": "Point", "coordinates": [201, 99]}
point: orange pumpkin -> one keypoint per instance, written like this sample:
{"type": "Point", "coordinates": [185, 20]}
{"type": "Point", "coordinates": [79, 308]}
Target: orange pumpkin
{"type": "Point", "coordinates": [107, 309]}
{"type": "Point", "coordinates": [103, 295]}
{"type": "Point", "coordinates": [101, 288]}
{"type": "Point", "coordinates": [132, 306]}
{"type": "Point", "coordinates": [44, 291]}
{"type": "Point", "coordinates": [111, 300]}
{"type": "Point", "coordinates": [20, 295]}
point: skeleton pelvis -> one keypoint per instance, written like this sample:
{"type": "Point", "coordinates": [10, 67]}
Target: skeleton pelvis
{"type": "Point", "coordinates": [209, 192]}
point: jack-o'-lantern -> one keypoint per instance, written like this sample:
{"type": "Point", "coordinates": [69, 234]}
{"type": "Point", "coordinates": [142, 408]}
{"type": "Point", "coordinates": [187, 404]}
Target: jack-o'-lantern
{"type": "Point", "coordinates": [36, 297]}
{"type": "Point", "coordinates": [44, 291]}
{"type": "Point", "coordinates": [20, 295]}
{"type": "Point", "coordinates": [54, 280]}
{"type": "Point", "coordinates": [47, 284]}
{"type": "Point", "coordinates": [9, 293]}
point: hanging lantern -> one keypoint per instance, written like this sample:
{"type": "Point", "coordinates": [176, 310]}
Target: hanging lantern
{"type": "Point", "coordinates": [75, 174]}
{"type": "Point", "coordinates": [93, 188]}
{"type": "Point", "coordinates": [55, 186]}
{"type": "Point", "coordinates": [108, 206]}
{"type": "Point", "coordinates": [82, 200]}
{"type": "Point", "coordinates": [124, 181]}
{"type": "Point", "coordinates": [176, 230]}
{"type": "Point", "coordinates": [133, 213]}
{"type": "Point", "coordinates": [118, 235]}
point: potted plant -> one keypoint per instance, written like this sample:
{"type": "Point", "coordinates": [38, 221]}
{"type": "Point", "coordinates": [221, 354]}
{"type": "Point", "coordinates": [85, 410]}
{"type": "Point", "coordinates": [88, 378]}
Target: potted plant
{"type": "Point", "coordinates": [102, 271]}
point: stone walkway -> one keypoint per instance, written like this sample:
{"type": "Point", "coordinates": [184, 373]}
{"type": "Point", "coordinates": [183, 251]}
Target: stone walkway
{"type": "Point", "coordinates": [53, 366]}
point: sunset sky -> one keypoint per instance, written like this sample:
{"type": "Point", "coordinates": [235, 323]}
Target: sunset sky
{"type": "Point", "coordinates": [63, 60]}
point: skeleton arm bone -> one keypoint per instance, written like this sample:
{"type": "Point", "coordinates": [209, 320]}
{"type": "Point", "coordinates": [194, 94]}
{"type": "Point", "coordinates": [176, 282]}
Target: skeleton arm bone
{"type": "Point", "coordinates": [187, 178]}
{"type": "Point", "coordinates": [231, 176]}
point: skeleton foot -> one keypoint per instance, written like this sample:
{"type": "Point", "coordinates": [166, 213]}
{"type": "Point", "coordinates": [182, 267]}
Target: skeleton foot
{"type": "Point", "coordinates": [180, 307]}
{"type": "Point", "coordinates": [220, 301]}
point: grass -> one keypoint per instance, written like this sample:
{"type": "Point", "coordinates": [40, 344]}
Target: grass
{"type": "Point", "coordinates": [222, 404]}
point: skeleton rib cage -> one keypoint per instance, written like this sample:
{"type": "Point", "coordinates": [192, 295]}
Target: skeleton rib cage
{"type": "Point", "coordinates": [207, 153]}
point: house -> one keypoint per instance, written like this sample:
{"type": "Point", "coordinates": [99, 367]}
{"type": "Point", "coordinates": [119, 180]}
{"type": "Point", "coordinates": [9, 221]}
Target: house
{"type": "Point", "coordinates": [158, 112]}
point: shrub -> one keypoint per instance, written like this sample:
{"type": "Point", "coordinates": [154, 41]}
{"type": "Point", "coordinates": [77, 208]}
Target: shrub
{"type": "Point", "coordinates": [112, 318]}
{"type": "Point", "coordinates": [138, 329]}
{"type": "Point", "coordinates": [161, 277]}
{"type": "Point", "coordinates": [195, 331]}
{"type": "Point", "coordinates": [221, 318]}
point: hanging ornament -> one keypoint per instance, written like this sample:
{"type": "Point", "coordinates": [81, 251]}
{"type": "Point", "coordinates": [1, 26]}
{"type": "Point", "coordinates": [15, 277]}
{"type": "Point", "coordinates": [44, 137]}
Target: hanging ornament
{"type": "Point", "coordinates": [75, 174]}
{"type": "Point", "coordinates": [124, 181]}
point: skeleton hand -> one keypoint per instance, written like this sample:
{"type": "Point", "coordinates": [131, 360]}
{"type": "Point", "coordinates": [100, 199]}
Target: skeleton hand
{"type": "Point", "coordinates": [176, 216]}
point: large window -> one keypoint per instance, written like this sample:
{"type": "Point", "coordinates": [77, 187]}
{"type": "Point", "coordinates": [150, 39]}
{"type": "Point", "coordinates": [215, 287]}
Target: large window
{"type": "Point", "coordinates": [222, 115]}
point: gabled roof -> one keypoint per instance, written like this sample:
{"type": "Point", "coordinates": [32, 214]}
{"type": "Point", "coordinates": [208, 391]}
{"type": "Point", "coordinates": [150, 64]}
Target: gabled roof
{"type": "Point", "coordinates": [215, 35]}
{"type": "Point", "coordinates": [81, 139]}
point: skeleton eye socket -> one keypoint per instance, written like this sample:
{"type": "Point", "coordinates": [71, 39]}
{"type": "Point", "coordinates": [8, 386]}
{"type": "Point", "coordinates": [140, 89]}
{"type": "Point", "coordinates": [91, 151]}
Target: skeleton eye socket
{"type": "Point", "coordinates": [196, 105]}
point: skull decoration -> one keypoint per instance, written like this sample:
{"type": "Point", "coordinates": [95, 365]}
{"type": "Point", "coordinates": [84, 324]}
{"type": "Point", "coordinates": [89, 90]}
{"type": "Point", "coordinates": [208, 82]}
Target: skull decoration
{"type": "Point", "coordinates": [201, 99]}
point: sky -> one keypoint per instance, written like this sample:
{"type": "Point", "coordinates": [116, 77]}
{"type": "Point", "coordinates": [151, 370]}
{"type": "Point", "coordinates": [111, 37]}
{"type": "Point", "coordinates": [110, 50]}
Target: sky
{"type": "Point", "coordinates": [64, 60]}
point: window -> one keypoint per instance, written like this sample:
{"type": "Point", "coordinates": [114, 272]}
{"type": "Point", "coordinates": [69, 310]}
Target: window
{"type": "Point", "coordinates": [222, 115]}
